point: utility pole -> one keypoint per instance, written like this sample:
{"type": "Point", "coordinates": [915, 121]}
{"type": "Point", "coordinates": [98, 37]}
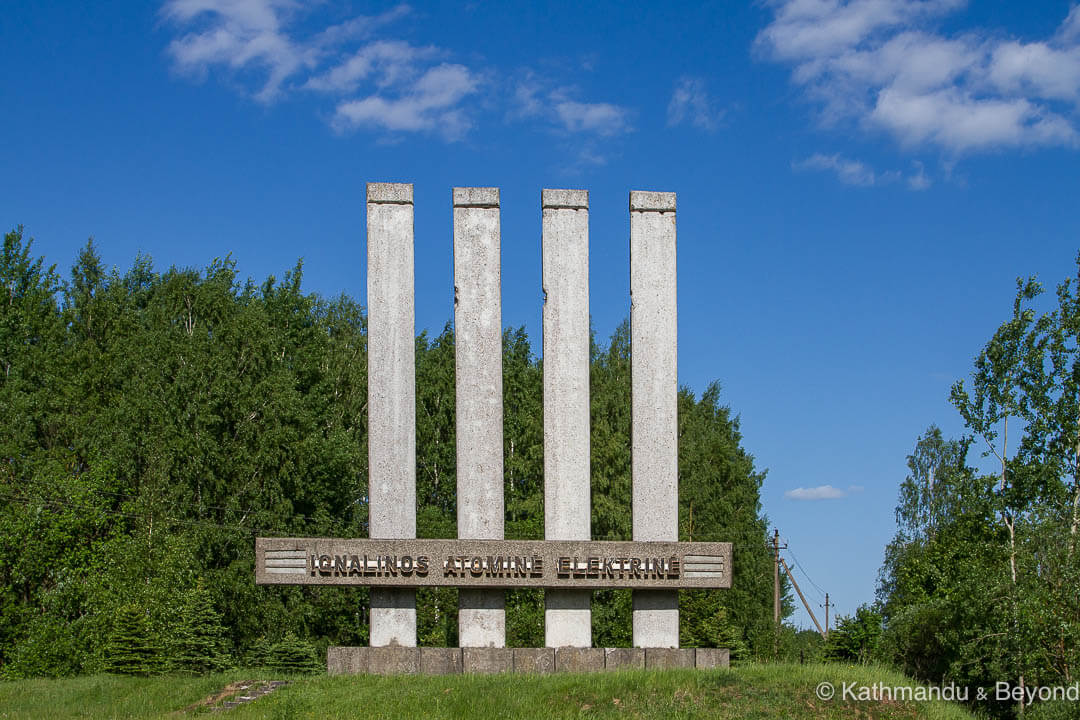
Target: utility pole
{"type": "Point", "coordinates": [776, 577]}
{"type": "Point", "coordinates": [777, 547]}
{"type": "Point", "coordinates": [826, 606]}
{"type": "Point", "coordinates": [802, 597]}
{"type": "Point", "coordinates": [776, 590]}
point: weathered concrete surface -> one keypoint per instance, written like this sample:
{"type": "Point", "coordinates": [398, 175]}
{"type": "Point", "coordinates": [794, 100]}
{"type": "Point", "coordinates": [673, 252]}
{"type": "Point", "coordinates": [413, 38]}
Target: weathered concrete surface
{"type": "Point", "coordinates": [342, 661]}
{"type": "Point", "coordinates": [440, 661]}
{"type": "Point", "coordinates": [708, 658]}
{"type": "Point", "coordinates": [667, 658]}
{"type": "Point", "coordinates": [567, 614]}
{"type": "Point", "coordinates": [568, 618]}
{"type": "Point", "coordinates": [481, 618]}
{"type": "Point", "coordinates": [372, 660]}
{"type": "Point", "coordinates": [478, 355]}
{"type": "Point", "coordinates": [624, 658]}
{"type": "Point", "coordinates": [487, 660]}
{"type": "Point", "coordinates": [534, 660]}
{"type": "Point", "coordinates": [579, 659]}
{"type": "Point", "coordinates": [391, 395]}
{"type": "Point", "coordinates": [393, 617]}
{"type": "Point", "coordinates": [654, 389]}
{"type": "Point", "coordinates": [452, 661]}
{"type": "Point", "coordinates": [392, 660]}
{"type": "Point", "coordinates": [656, 618]}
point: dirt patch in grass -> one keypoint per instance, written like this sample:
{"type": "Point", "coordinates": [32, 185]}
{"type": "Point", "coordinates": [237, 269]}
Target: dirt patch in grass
{"type": "Point", "coordinates": [230, 690]}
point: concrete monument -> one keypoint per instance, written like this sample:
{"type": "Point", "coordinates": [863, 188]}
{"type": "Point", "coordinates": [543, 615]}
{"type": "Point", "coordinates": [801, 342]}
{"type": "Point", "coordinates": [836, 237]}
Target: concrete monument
{"type": "Point", "coordinates": [567, 563]}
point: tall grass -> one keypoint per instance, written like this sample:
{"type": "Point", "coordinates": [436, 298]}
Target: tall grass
{"type": "Point", "coordinates": [752, 691]}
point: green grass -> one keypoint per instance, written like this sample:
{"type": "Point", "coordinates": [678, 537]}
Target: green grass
{"type": "Point", "coordinates": [110, 696]}
{"type": "Point", "coordinates": [754, 691]}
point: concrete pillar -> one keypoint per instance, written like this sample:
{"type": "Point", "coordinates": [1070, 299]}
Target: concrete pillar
{"type": "Point", "coordinates": [391, 396]}
{"type": "Point", "coordinates": [567, 614]}
{"type": "Point", "coordinates": [654, 392]}
{"type": "Point", "coordinates": [478, 355]}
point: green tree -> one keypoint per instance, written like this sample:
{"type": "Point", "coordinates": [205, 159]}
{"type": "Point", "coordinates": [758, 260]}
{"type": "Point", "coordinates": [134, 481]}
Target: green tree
{"type": "Point", "coordinates": [979, 584]}
{"type": "Point", "coordinates": [436, 477]}
{"type": "Point", "coordinates": [155, 421]}
{"type": "Point", "coordinates": [132, 649]}
{"type": "Point", "coordinates": [995, 397]}
{"type": "Point", "coordinates": [293, 655]}
{"type": "Point", "coordinates": [198, 644]}
{"type": "Point", "coordinates": [855, 638]}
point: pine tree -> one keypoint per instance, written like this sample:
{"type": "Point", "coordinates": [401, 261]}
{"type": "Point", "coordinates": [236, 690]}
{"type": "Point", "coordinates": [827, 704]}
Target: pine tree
{"type": "Point", "coordinates": [131, 649]}
{"type": "Point", "coordinates": [199, 645]}
{"type": "Point", "coordinates": [293, 655]}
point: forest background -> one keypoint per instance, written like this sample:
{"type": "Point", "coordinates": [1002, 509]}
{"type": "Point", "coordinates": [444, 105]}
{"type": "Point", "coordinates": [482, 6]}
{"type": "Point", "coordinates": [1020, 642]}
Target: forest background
{"type": "Point", "coordinates": [156, 422]}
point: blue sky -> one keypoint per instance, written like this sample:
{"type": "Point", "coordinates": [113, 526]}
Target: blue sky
{"type": "Point", "coordinates": [859, 183]}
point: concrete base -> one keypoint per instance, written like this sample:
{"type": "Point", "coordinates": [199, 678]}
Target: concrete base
{"type": "Point", "coordinates": [624, 658]}
{"type": "Point", "coordinates": [440, 661]}
{"type": "Point", "coordinates": [708, 658]}
{"type": "Point", "coordinates": [668, 658]}
{"type": "Point", "coordinates": [487, 660]}
{"type": "Point", "coordinates": [579, 659]}
{"type": "Point", "coordinates": [454, 661]}
{"type": "Point", "coordinates": [343, 661]}
{"type": "Point", "coordinates": [372, 661]}
{"type": "Point", "coordinates": [534, 660]}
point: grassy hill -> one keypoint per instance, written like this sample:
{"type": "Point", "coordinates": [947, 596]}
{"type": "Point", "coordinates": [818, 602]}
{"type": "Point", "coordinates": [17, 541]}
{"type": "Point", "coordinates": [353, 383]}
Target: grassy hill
{"type": "Point", "coordinates": [755, 691]}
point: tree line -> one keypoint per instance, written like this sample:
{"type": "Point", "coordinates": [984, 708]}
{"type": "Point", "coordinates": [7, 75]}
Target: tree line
{"type": "Point", "coordinates": [980, 584]}
{"type": "Point", "coordinates": [154, 422]}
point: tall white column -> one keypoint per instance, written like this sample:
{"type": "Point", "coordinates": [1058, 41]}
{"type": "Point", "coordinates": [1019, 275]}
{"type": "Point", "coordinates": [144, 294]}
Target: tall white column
{"type": "Point", "coordinates": [391, 396]}
{"type": "Point", "coordinates": [654, 394]}
{"type": "Point", "coordinates": [567, 615]}
{"type": "Point", "coordinates": [478, 355]}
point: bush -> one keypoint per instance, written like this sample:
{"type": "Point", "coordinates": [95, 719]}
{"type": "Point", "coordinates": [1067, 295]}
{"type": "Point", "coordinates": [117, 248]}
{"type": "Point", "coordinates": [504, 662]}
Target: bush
{"type": "Point", "coordinates": [1054, 710]}
{"type": "Point", "coordinates": [855, 639]}
{"type": "Point", "coordinates": [293, 655]}
{"type": "Point", "coordinates": [50, 648]}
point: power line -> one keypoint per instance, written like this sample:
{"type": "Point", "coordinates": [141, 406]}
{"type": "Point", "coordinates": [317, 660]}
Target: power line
{"type": "Point", "coordinates": [803, 569]}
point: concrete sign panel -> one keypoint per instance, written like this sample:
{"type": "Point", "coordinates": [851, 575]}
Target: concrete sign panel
{"type": "Point", "coordinates": [492, 563]}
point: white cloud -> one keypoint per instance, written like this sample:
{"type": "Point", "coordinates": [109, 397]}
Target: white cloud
{"type": "Point", "coordinates": [428, 104]}
{"type": "Point", "coordinates": [390, 61]}
{"type": "Point", "coordinates": [954, 119]}
{"type": "Point", "coordinates": [387, 84]}
{"type": "Point", "coordinates": [690, 102]}
{"type": "Point", "coordinates": [855, 172]}
{"type": "Point", "coordinates": [1070, 29]}
{"type": "Point", "coordinates": [383, 83]}
{"type": "Point", "coordinates": [1036, 69]}
{"type": "Point", "coordinates": [599, 118]}
{"type": "Point", "coordinates": [919, 179]}
{"type": "Point", "coordinates": [528, 99]}
{"type": "Point", "coordinates": [537, 98]}
{"type": "Point", "coordinates": [882, 63]}
{"type": "Point", "coordinates": [238, 34]}
{"type": "Point", "coordinates": [849, 172]}
{"type": "Point", "coordinates": [820, 28]}
{"type": "Point", "coordinates": [361, 26]}
{"type": "Point", "coordinates": [821, 492]}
